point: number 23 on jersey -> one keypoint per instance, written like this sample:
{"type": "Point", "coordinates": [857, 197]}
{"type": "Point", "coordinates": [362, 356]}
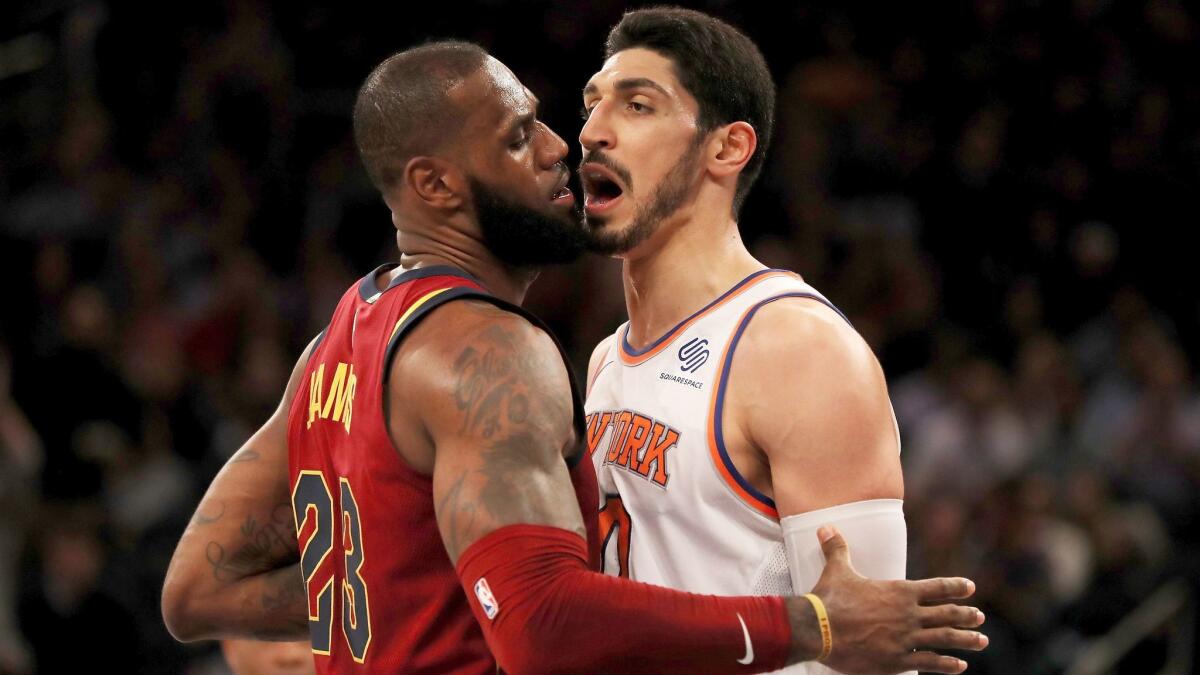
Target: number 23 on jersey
{"type": "Point", "coordinates": [313, 506]}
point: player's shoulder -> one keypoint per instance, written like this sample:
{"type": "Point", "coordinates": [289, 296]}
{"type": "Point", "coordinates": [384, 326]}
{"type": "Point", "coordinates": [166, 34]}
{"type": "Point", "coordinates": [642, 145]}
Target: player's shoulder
{"type": "Point", "coordinates": [473, 332]}
{"type": "Point", "coordinates": [469, 356]}
{"type": "Point", "coordinates": [806, 333]}
{"type": "Point", "coordinates": [802, 370]}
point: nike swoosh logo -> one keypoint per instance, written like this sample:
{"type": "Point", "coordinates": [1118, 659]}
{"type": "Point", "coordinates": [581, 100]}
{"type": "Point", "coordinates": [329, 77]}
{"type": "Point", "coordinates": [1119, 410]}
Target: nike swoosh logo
{"type": "Point", "coordinates": [749, 657]}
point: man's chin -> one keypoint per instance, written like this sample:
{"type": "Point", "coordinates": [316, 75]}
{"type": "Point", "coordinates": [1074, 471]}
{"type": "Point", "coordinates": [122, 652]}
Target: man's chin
{"type": "Point", "coordinates": [600, 244]}
{"type": "Point", "coordinates": [618, 237]}
{"type": "Point", "coordinates": [610, 224]}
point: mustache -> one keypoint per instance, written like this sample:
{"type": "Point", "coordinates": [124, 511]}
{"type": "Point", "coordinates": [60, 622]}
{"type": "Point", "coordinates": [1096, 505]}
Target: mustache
{"type": "Point", "coordinates": [598, 157]}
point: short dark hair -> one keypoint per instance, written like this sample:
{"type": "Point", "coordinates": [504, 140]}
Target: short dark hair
{"type": "Point", "coordinates": [717, 64]}
{"type": "Point", "coordinates": [403, 110]}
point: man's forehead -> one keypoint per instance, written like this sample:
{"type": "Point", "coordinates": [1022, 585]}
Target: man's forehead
{"type": "Point", "coordinates": [637, 64]}
{"type": "Point", "coordinates": [513, 95]}
{"type": "Point", "coordinates": [492, 96]}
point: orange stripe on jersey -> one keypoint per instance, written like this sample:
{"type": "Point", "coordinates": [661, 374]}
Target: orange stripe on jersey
{"type": "Point", "coordinates": [413, 307]}
{"type": "Point", "coordinates": [721, 461]}
{"type": "Point", "coordinates": [633, 358]}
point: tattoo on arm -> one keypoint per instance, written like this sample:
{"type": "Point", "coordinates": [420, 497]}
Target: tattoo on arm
{"type": "Point", "coordinates": [244, 455]}
{"type": "Point", "coordinates": [487, 390]}
{"type": "Point", "coordinates": [203, 519]}
{"type": "Point", "coordinates": [460, 514]}
{"type": "Point", "coordinates": [239, 457]}
{"type": "Point", "coordinates": [264, 544]}
{"type": "Point", "coordinates": [284, 591]}
{"type": "Point", "coordinates": [284, 596]}
{"type": "Point", "coordinates": [495, 397]}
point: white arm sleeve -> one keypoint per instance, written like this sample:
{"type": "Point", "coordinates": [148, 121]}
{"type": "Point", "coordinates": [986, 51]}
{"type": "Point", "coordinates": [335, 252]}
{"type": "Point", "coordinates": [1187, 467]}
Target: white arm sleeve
{"type": "Point", "coordinates": [875, 532]}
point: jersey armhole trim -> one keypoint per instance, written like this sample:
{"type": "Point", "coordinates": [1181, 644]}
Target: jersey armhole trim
{"type": "Point", "coordinates": [432, 301]}
{"type": "Point", "coordinates": [316, 343]}
{"type": "Point", "coordinates": [733, 479]}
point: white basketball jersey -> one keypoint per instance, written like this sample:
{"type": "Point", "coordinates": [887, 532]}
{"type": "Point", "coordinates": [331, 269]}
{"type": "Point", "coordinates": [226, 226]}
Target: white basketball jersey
{"type": "Point", "coordinates": [674, 510]}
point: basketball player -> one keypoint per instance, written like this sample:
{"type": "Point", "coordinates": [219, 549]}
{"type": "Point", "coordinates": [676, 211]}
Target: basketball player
{"type": "Point", "coordinates": [737, 410]}
{"type": "Point", "coordinates": [428, 443]}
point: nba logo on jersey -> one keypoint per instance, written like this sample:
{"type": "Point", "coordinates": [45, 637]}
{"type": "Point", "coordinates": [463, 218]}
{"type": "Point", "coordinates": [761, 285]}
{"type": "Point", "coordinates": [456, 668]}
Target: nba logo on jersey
{"type": "Point", "coordinates": [486, 600]}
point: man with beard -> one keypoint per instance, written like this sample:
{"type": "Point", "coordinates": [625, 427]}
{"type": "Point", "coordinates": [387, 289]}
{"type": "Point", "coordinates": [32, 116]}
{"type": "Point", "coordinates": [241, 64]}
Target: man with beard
{"type": "Point", "coordinates": [737, 411]}
{"type": "Point", "coordinates": [429, 443]}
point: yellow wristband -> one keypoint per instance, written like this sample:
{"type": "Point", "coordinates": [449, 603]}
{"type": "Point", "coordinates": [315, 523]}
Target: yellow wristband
{"type": "Point", "coordinates": [823, 622]}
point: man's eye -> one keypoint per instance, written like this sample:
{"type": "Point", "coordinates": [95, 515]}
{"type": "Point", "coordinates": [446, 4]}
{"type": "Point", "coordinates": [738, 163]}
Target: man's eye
{"type": "Point", "coordinates": [586, 112]}
{"type": "Point", "coordinates": [638, 107]}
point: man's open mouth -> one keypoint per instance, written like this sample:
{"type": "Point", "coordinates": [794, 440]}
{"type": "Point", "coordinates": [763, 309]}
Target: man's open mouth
{"type": "Point", "coordinates": [600, 187]}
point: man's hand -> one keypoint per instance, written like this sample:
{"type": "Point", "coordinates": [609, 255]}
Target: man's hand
{"type": "Point", "coordinates": [883, 627]}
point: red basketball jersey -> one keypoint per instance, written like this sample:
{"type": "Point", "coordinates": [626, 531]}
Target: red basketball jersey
{"type": "Point", "coordinates": [382, 593]}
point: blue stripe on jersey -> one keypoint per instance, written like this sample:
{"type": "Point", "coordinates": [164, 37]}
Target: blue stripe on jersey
{"type": "Point", "coordinates": [719, 408]}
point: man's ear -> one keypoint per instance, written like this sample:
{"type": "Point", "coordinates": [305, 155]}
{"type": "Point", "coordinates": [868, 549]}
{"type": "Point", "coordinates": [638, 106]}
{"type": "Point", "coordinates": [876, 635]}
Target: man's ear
{"type": "Point", "coordinates": [436, 181]}
{"type": "Point", "coordinates": [730, 147]}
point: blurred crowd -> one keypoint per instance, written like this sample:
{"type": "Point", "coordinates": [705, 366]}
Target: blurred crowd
{"type": "Point", "coordinates": [997, 194]}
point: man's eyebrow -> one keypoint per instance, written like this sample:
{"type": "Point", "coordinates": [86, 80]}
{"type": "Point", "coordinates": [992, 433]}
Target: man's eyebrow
{"type": "Point", "coordinates": [525, 119]}
{"type": "Point", "coordinates": [640, 83]}
{"type": "Point", "coordinates": [521, 121]}
{"type": "Point", "coordinates": [629, 83]}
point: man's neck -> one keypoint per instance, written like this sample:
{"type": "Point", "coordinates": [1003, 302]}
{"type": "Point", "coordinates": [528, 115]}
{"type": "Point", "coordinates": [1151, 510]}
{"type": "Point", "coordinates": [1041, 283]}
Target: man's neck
{"type": "Point", "coordinates": [502, 282]}
{"type": "Point", "coordinates": [467, 254]}
{"type": "Point", "coordinates": [695, 263]}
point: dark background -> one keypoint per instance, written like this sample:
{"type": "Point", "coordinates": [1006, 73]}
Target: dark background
{"type": "Point", "coordinates": [996, 192]}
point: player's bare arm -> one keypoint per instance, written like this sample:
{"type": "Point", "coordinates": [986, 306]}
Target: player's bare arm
{"type": "Point", "coordinates": [235, 572]}
{"type": "Point", "coordinates": [495, 402]}
{"type": "Point", "coordinates": [812, 426]}
{"type": "Point", "coordinates": [808, 399]}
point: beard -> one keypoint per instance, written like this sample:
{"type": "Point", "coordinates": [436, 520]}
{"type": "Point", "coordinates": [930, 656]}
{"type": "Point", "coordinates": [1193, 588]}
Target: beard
{"type": "Point", "coordinates": [522, 236]}
{"type": "Point", "coordinates": [672, 193]}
